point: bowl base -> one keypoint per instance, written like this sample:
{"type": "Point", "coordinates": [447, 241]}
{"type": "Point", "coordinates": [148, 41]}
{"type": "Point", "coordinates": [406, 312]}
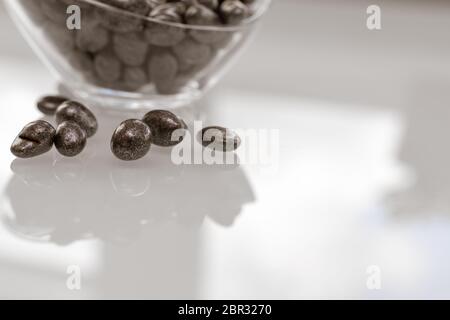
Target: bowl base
{"type": "Point", "coordinates": [125, 101]}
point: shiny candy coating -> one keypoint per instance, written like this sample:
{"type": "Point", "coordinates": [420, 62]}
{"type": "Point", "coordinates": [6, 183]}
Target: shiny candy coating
{"type": "Point", "coordinates": [35, 139]}
{"type": "Point", "coordinates": [131, 140]}
{"type": "Point", "coordinates": [48, 104]}
{"type": "Point", "coordinates": [168, 130]}
{"type": "Point", "coordinates": [76, 112]}
{"type": "Point", "coordinates": [70, 139]}
{"type": "Point", "coordinates": [219, 138]}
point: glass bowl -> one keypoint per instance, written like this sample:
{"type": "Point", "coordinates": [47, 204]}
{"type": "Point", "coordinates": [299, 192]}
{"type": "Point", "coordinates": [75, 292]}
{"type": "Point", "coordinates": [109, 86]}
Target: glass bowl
{"type": "Point", "coordinates": [123, 60]}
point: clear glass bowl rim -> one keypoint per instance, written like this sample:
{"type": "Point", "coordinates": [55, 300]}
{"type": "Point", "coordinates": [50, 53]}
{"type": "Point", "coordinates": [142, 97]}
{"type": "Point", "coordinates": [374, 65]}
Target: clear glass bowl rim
{"type": "Point", "coordinates": [262, 9]}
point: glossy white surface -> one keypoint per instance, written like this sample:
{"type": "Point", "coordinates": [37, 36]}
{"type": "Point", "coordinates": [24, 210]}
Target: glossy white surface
{"type": "Point", "coordinates": [362, 177]}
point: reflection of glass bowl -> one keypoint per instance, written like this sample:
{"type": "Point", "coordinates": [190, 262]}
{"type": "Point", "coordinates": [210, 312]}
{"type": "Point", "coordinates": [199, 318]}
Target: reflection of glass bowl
{"type": "Point", "coordinates": [124, 60]}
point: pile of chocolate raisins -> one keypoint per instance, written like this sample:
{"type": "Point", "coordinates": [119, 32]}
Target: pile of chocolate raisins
{"type": "Point", "coordinates": [130, 141]}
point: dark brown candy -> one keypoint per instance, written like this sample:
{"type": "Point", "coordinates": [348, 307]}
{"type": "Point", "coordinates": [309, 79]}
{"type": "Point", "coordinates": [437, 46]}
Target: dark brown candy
{"type": "Point", "coordinates": [76, 112]}
{"type": "Point", "coordinates": [234, 11]}
{"type": "Point", "coordinates": [70, 139]}
{"type": "Point", "coordinates": [167, 129]}
{"type": "Point", "coordinates": [211, 4]}
{"type": "Point", "coordinates": [163, 35]}
{"type": "Point", "coordinates": [219, 138]}
{"type": "Point", "coordinates": [122, 21]}
{"type": "Point", "coordinates": [131, 140]}
{"type": "Point", "coordinates": [171, 41]}
{"type": "Point", "coordinates": [141, 7]}
{"type": "Point", "coordinates": [154, 3]}
{"type": "Point", "coordinates": [48, 104]}
{"type": "Point", "coordinates": [198, 14]}
{"type": "Point", "coordinates": [168, 12]}
{"type": "Point", "coordinates": [203, 15]}
{"type": "Point", "coordinates": [35, 139]}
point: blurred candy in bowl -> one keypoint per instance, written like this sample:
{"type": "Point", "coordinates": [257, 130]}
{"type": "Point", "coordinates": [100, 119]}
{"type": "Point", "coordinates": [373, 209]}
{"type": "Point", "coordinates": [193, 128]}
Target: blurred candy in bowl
{"type": "Point", "coordinates": [137, 53]}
